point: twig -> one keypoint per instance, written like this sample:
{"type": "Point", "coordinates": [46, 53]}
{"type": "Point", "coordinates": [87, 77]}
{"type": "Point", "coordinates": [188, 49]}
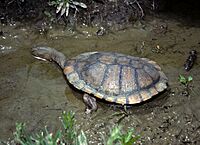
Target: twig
{"type": "Point", "coordinates": [140, 8]}
{"type": "Point", "coordinates": [11, 2]}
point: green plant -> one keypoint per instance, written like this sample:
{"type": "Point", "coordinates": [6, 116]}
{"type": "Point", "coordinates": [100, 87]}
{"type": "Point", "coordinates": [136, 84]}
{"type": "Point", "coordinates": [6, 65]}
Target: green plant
{"type": "Point", "coordinates": [19, 133]}
{"type": "Point", "coordinates": [63, 6]}
{"type": "Point", "coordinates": [68, 135]}
{"type": "Point", "coordinates": [82, 139]}
{"type": "Point", "coordinates": [42, 138]}
{"type": "Point", "coordinates": [68, 122]}
{"type": "Point", "coordinates": [185, 81]}
{"type": "Point", "coordinates": [117, 137]}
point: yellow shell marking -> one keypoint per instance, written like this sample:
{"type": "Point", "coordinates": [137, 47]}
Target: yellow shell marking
{"type": "Point", "coordinates": [135, 98]}
{"type": "Point", "coordinates": [145, 95]}
{"type": "Point", "coordinates": [68, 70]}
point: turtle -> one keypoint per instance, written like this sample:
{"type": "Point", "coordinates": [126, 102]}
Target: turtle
{"type": "Point", "coordinates": [114, 77]}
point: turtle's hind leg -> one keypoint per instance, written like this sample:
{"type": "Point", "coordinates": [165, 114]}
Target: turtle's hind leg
{"type": "Point", "coordinates": [91, 104]}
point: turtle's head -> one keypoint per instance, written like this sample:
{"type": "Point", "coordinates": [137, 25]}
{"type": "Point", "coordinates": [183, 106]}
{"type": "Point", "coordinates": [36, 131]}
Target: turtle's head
{"type": "Point", "coordinates": [43, 53]}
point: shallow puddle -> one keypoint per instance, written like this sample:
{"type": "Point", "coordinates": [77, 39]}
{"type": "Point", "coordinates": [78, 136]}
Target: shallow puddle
{"type": "Point", "coordinates": [36, 92]}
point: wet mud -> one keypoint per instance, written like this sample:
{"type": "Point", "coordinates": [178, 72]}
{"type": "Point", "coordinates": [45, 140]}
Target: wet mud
{"type": "Point", "coordinates": [36, 92]}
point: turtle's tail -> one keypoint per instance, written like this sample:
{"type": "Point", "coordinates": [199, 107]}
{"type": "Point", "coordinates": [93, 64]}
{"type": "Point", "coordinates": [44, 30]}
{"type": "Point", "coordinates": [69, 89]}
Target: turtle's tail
{"type": "Point", "coordinates": [50, 54]}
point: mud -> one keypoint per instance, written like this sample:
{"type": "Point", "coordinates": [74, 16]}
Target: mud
{"type": "Point", "coordinates": [36, 92]}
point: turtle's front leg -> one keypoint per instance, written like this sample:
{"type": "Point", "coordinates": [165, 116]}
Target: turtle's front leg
{"type": "Point", "coordinates": [91, 104]}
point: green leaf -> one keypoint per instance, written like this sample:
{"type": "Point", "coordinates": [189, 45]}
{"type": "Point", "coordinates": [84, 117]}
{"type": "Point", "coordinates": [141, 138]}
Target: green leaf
{"type": "Point", "coordinates": [190, 79]}
{"type": "Point", "coordinates": [114, 135]}
{"type": "Point", "coordinates": [128, 136]}
{"type": "Point", "coordinates": [53, 3]}
{"type": "Point", "coordinates": [67, 9]}
{"type": "Point", "coordinates": [48, 14]}
{"type": "Point", "coordinates": [3, 143]}
{"type": "Point", "coordinates": [182, 79]}
{"type": "Point", "coordinates": [82, 140]}
{"type": "Point", "coordinates": [63, 9]}
{"type": "Point", "coordinates": [59, 7]}
{"type": "Point", "coordinates": [58, 137]}
{"type": "Point", "coordinates": [79, 4]}
{"type": "Point", "coordinates": [132, 140]}
{"type": "Point", "coordinates": [68, 122]}
{"type": "Point", "coordinates": [128, 139]}
{"type": "Point", "coordinates": [19, 134]}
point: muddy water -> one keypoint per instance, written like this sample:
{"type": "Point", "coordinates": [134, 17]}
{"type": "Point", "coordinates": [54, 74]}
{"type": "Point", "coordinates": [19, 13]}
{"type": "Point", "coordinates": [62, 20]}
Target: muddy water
{"type": "Point", "coordinates": [35, 92]}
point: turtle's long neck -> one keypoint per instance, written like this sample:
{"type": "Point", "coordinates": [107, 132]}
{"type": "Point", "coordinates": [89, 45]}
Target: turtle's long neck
{"type": "Point", "coordinates": [59, 58]}
{"type": "Point", "coordinates": [49, 54]}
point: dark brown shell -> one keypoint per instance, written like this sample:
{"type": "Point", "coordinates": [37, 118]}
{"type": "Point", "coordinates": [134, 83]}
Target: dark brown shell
{"type": "Point", "coordinates": [116, 77]}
